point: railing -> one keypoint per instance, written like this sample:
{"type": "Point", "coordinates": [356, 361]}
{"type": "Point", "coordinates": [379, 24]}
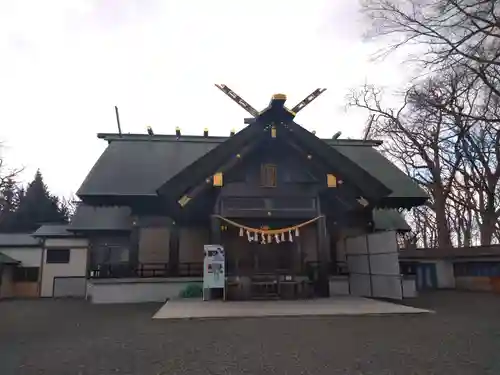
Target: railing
{"type": "Point", "coordinates": [143, 270]}
{"type": "Point", "coordinates": [188, 269]}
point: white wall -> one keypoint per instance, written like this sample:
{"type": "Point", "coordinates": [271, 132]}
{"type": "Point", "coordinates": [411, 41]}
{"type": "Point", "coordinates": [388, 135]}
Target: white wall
{"type": "Point", "coordinates": [77, 265]}
{"type": "Point", "coordinates": [28, 256]}
{"type": "Point", "coordinates": [137, 290]}
{"type": "Point", "coordinates": [444, 274]}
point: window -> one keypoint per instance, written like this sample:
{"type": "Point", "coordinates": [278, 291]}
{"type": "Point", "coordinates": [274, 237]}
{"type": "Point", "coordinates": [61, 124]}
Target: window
{"type": "Point", "coordinates": [268, 175]}
{"type": "Point", "coordinates": [26, 274]}
{"type": "Point", "coordinates": [478, 269]}
{"type": "Point", "coordinates": [58, 256]}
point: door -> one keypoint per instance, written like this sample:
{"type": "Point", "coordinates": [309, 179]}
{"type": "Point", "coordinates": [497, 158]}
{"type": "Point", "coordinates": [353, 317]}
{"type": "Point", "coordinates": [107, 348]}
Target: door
{"type": "Point", "coordinates": [426, 276]}
{"type": "Point", "coordinates": [70, 286]}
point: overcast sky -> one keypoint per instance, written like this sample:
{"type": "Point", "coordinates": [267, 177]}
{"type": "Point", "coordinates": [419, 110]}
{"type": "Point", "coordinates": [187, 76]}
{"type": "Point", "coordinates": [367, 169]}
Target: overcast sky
{"type": "Point", "coordinates": [65, 64]}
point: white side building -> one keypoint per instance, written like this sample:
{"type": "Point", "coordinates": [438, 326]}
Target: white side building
{"type": "Point", "coordinates": [64, 262]}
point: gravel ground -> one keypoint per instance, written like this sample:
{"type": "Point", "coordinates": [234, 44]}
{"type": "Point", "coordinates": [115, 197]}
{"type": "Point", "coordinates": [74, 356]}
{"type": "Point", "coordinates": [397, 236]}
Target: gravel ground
{"type": "Point", "coordinates": [75, 338]}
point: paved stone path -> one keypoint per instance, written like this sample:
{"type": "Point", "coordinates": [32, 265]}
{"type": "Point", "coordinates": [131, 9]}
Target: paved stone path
{"type": "Point", "coordinates": [338, 306]}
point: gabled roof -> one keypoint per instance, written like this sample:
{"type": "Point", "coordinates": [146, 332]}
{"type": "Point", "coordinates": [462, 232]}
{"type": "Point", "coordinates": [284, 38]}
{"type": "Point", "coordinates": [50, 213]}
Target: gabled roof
{"type": "Point", "coordinates": [18, 240]}
{"type": "Point", "coordinates": [53, 230]}
{"type": "Point", "coordinates": [5, 259]}
{"type": "Point", "coordinates": [374, 162]}
{"type": "Point", "coordinates": [138, 164]}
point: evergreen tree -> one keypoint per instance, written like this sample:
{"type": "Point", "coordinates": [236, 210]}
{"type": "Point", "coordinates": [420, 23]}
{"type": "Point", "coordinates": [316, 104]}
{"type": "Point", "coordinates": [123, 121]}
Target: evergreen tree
{"type": "Point", "coordinates": [36, 206]}
{"type": "Point", "coordinates": [8, 203]}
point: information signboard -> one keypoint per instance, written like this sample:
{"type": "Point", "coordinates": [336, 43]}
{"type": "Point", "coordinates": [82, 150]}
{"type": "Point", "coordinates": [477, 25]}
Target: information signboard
{"type": "Point", "coordinates": [214, 269]}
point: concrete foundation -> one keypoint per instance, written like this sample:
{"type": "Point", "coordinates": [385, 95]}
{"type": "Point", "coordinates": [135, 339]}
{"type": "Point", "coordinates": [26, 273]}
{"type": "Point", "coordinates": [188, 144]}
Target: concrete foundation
{"type": "Point", "coordinates": [137, 290]}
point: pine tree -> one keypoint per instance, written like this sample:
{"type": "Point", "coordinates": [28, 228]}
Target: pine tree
{"type": "Point", "coordinates": [36, 206]}
{"type": "Point", "coordinates": [8, 203]}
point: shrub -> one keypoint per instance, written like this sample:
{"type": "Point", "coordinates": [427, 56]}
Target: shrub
{"type": "Point", "coordinates": [192, 291]}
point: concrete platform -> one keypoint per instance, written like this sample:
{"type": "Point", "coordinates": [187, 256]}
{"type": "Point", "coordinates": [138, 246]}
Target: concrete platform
{"type": "Point", "coordinates": [342, 305]}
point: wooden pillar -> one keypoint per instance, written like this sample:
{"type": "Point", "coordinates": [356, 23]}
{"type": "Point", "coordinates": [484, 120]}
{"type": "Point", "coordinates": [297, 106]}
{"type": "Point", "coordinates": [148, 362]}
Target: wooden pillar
{"type": "Point", "coordinates": [215, 232]}
{"type": "Point", "coordinates": [323, 277]}
{"type": "Point", "coordinates": [173, 249]}
{"type": "Point", "coordinates": [134, 244]}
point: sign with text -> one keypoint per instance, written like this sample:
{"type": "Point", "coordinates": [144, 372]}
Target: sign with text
{"type": "Point", "coordinates": [214, 267]}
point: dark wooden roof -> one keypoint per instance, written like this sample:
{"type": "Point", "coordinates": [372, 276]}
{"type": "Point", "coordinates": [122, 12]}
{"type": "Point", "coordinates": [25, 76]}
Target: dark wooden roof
{"type": "Point", "coordinates": [138, 164]}
{"type": "Point", "coordinates": [18, 240]}
{"type": "Point", "coordinates": [135, 165]}
{"type": "Point", "coordinates": [53, 230]}
{"type": "Point", "coordinates": [89, 218]}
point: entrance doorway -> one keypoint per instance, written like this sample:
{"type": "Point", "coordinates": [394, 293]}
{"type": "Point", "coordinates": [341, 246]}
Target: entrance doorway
{"type": "Point", "coordinates": [246, 258]}
{"type": "Point", "coordinates": [259, 270]}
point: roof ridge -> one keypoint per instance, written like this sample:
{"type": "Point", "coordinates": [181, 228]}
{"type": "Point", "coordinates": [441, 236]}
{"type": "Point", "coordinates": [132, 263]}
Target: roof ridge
{"type": "Point", "coordinates": [135, 137]}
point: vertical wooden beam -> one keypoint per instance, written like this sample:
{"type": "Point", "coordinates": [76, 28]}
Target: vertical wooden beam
{"type": "Point", "coordinates": [173, 249]}
{"type": "Point", "coordinates": [322, 232]}
{"type": "Point", "coordinates": [323, 279]}
{"type": "Point", "coordinates": [215, 232]}
{"type": "Point", "coordinates": [134, 243]}
{"type": "Point", "coordinates": [332, 236]}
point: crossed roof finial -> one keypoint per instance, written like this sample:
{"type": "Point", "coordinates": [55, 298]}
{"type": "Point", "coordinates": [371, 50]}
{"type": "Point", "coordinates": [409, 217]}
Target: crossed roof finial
{"type": "Point", "coordinates": [276, 111]}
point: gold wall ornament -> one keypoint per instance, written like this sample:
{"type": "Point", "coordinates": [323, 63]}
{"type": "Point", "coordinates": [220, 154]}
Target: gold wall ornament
{"type": "Point", "coordinates": [331, 180]}
{"type": "Point", "coordinates": [273, 131]}
{"type": "Point", "coordinates": [218, 179]}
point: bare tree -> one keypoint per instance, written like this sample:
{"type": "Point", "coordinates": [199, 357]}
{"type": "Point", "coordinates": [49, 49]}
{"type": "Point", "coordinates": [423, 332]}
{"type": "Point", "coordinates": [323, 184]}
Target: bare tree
{"type": "Point", "coordinates": [481, 179]}
{"type": "Point", "coordinates": [449, 33]}
{"type": "Point", "coordinates": [423, 222]}
{"type": "Point", "coordinates": [458, 46]}
{"type": "Point", "coordinates": [422, 140]}
{"type": "Point", "coordinates": [7, 174]}
{"type": "Point", "coordinates": [69, 205]}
